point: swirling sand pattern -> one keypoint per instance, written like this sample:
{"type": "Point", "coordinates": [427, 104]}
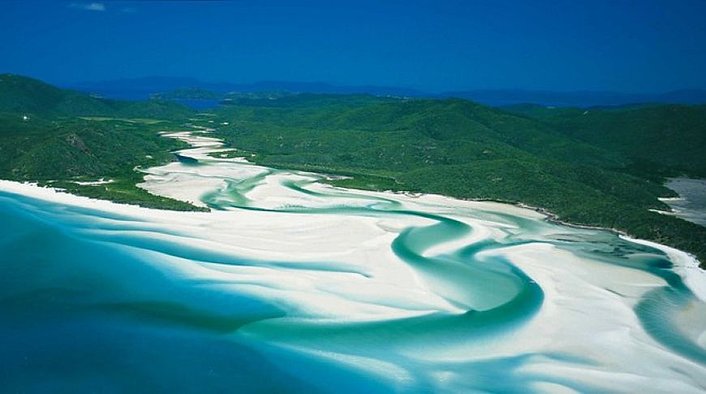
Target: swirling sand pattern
{"type": "Point", "coordinates": [291, 285]}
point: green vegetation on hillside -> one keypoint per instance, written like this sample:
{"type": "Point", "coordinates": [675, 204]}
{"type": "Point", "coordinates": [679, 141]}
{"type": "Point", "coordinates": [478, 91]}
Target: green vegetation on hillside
{"type": "Point", "coordinates": [461, 149]}
{"type": "Point", "coordinates": [42, 140]}
{"type": "Point", "coordinates": [32, 97]}
{"type": "Point", "coordinates": [663, 140]}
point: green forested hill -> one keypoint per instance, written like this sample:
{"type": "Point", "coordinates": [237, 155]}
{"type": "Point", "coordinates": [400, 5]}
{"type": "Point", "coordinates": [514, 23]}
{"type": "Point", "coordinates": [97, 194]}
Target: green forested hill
{"type": "Point", "coordinates": [29, 96]}
{"type": "Point", "coordinates": [61, 151]}
{"type": "Point", "coordinates": [666, 139]}
{"type": "Point", "coordinates": [53, 136]}
{"type": "Point", "coordinates": [461, 149]}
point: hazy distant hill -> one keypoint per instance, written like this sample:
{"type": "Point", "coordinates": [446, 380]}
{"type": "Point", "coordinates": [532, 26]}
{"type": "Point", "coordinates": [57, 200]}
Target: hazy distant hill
{"type": "Point", "coordinates": [578, 98]}
{"type": "Point", "coordinates": [143, 88]}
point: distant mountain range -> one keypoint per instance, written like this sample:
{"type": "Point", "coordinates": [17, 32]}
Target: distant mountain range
{"type": "Point", "coordinates": [143, 88]}
{"type": "Point", "coordinates": [579, 98]}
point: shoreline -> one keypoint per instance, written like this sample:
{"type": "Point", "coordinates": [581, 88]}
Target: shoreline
{"type": "Point", "coordinates": [691, 261]}
{"type": "Point", "coordinates": [551, 216]}
{"type": "Point", "coordinates": [202, 144]}
{"type": "Point", "coordinates": [690, 203]}
{"type": "Point", "coordinates": [697, 282]}
{"type": "Point", "coordinates": [693, 275]}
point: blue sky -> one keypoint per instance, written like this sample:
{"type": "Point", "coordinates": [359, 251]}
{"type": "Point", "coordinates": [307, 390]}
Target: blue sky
{"type": "Point", "coordinates": [630, 46]}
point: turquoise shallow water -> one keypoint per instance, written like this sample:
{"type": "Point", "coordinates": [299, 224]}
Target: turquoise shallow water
{"type": "Point", "coordinates": [85, 308]}
{"type": "Point", "coordinates": [483, 300]}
